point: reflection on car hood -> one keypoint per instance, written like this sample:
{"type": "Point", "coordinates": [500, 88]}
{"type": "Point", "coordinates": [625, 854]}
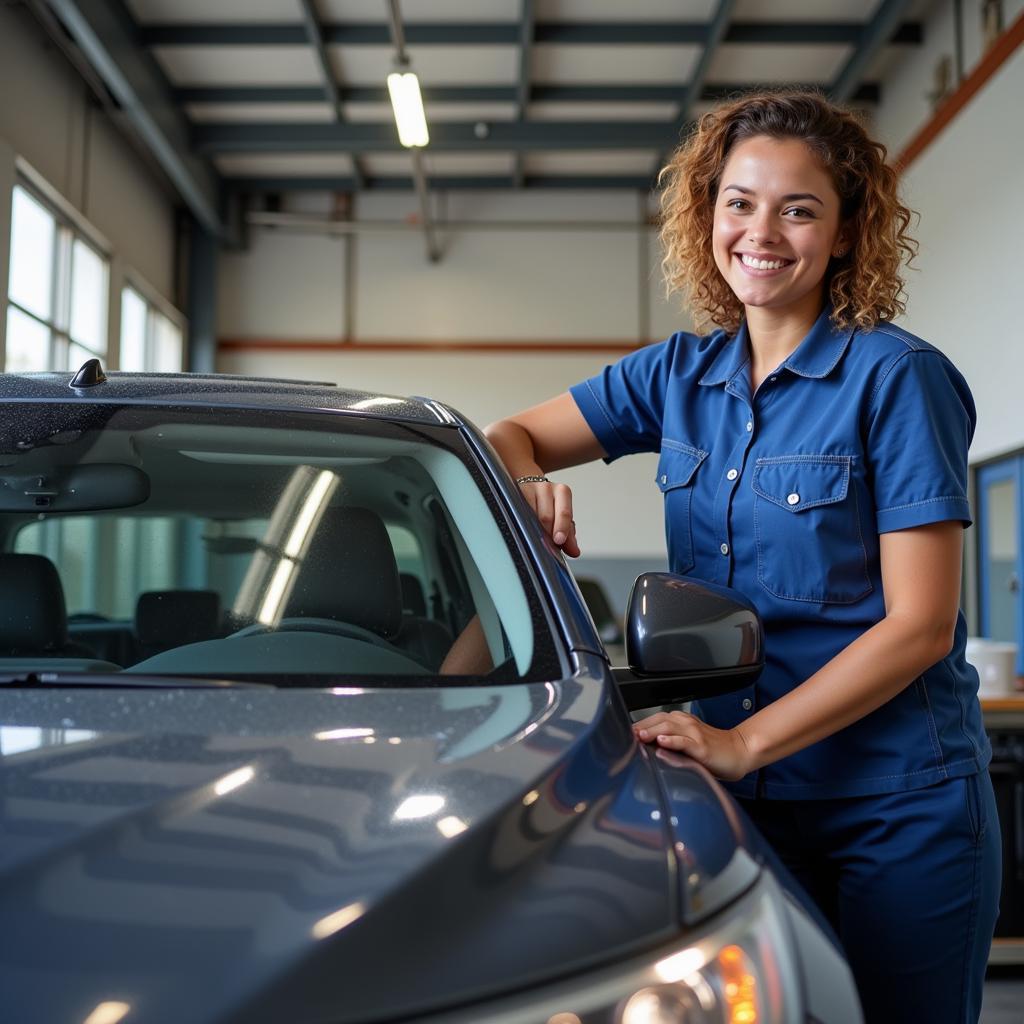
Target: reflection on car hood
{"type": "Point", "coordinates": [344, 855]}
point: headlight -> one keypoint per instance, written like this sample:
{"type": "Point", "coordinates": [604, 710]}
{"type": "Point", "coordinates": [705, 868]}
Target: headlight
{"type": "Point", "coordinates": [738, 972]}
{"type": "Point", "coordinates": [739, 968]}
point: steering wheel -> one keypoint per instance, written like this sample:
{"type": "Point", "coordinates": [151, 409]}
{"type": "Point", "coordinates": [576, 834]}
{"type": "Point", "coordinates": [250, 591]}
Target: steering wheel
{"type": "Point", "coordinates": [299, 624]}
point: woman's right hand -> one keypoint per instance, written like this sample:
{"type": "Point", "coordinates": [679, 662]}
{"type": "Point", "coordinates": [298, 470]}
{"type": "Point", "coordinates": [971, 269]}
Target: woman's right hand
{"type": "Point", "coordinates": [553, 504]}
{"type": "Point", "coordinates": [550, 436]}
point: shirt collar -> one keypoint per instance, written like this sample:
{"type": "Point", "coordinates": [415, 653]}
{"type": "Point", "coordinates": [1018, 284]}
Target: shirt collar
{"type": "Point", "coordinates": [816, 356]}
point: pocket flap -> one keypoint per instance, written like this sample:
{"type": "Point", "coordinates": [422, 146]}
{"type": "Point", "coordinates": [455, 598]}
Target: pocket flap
{"type": "Point", "coordinates": [677, 465]}
{"type": "Point", "coordinates": [798, 482]}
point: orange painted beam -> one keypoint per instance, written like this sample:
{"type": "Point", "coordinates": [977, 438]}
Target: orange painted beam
{"type": "Point", "coordinates": [475, 347]}
{"type": "Point", "coordinates": [995, 57]}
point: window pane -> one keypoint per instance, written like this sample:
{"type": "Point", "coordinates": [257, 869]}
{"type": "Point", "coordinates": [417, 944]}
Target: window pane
{"type": "Point", "coordinates": [1002, 561]}
{"type": "Point", "coordinates": [28, 343]}
{"type": "Point", "coordinates": [88, 298]}
{"type": "Point", "coordinates": [133, 330]}
{"type": "Point", "coordinates": [33, 233]}
{"type": "Point", "coordinates": [167, 357]}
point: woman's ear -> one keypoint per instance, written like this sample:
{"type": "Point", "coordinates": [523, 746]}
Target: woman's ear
{"type": "Point", "coordinates": [842, 244]}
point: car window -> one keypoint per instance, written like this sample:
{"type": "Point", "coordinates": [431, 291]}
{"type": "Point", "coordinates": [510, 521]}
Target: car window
{"type": "Point", "coordinates": [284, 546]}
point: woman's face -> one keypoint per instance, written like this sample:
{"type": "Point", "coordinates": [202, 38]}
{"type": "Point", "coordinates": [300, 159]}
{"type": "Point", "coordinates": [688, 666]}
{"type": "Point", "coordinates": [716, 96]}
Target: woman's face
{"type": "Point", "coordinates": [776, 224]}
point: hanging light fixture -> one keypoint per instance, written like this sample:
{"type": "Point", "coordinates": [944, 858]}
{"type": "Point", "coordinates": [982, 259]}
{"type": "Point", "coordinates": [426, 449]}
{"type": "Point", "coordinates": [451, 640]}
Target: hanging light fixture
{"type": "Point", "coordinates": [407, 102]}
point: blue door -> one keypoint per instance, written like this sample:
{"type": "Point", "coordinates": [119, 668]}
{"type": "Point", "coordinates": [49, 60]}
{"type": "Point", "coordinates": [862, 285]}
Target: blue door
{"type": "Point", "coordinates": [1000, 548]}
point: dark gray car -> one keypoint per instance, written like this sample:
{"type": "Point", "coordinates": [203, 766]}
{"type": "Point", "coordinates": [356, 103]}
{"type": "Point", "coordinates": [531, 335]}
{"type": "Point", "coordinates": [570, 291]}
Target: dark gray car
{"type": "Point", "coordinates": [302, 719]}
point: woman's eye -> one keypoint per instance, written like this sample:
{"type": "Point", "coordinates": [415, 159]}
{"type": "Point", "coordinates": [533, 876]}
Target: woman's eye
{"type": "Point", "coordinates": [737, 204]}
{"type": "Point", "coordinates": [799, 211]}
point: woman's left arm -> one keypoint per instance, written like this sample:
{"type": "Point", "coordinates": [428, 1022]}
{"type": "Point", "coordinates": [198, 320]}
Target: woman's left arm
{"type": "Point", "coordinates": [921, 581]}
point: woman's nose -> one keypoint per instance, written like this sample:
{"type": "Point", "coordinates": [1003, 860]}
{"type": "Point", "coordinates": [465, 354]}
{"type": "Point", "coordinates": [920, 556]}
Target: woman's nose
{"type": "Point", "coordinates": [764, 230]}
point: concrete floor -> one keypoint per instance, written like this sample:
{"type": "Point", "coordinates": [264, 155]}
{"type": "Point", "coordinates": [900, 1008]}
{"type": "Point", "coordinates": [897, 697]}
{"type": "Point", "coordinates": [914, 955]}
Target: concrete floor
{"type": "Point", "coordinates": [1003, 1002]}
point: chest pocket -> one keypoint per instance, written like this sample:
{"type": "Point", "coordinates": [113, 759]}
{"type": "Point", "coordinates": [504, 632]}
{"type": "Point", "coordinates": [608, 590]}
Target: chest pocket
{"type": "Point", "coordinates": [810, 545]}
{"type": "Point", "coordinates": [676, 468]}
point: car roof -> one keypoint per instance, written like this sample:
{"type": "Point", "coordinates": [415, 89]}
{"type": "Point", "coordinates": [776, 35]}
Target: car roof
{"type": "Point", "coordinates": [224, 389]}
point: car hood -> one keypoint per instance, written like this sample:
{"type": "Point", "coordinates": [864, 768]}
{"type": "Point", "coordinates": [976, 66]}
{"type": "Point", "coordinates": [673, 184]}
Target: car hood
{"type": "Point", "coordinates": [342, 855]}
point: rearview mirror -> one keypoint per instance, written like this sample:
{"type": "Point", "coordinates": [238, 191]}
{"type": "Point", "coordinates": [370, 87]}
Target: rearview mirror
{"type": "Point", "coordinates": [687, 639]}
{"type": "Point", "coordinates": [79, 488]}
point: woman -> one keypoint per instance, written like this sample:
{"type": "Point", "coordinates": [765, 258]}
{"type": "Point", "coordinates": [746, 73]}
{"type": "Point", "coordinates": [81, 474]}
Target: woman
{"type": "Point", "coordinates": [814, 456]}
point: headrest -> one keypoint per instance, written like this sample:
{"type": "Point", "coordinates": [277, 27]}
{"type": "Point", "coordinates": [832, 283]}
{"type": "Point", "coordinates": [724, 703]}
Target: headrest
{"type": "Point", "coordinates": [33, 618]}
{"type": "Point", "coordinates": [413, 601]}
{"type": "Point", "coordinates": [349, 573]}
{"type": "Point", "coordinates": [171, 618]}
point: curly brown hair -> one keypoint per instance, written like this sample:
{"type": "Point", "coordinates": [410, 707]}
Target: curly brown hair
{"type": "Point", "coordinates": [864, 285]}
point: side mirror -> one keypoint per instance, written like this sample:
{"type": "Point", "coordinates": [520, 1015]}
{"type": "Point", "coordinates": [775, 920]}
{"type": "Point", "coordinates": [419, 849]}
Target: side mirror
{"type": "Point", "coordinates": [687, 639]}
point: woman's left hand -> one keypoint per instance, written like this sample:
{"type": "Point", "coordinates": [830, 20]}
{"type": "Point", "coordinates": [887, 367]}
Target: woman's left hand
{"type": "Point", "coordinates": [722, 751]}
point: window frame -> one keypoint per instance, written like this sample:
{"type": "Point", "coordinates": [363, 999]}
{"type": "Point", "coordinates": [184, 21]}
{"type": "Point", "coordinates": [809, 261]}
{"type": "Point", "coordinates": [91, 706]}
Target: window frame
{"type": "Point", "coordinates": [70, 227]}
{"type": "Point", "coordinates": [156, 305]}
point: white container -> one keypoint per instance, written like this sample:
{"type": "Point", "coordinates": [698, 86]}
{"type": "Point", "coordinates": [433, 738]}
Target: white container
{"type": "Point", "coordinates": [996, 663]}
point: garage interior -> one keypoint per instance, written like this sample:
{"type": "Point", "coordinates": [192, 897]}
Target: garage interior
{"type": "Point", "coordinates": [222, 188]}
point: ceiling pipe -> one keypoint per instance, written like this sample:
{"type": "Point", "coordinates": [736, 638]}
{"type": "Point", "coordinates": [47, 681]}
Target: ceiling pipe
{"type": "Point", "coordinates": [302, 223]}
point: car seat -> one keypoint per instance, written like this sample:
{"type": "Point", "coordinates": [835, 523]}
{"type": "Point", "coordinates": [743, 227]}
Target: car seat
{"type": "Point", "coordinates": [33, 615]}
{"type": "Point", "coordinates": [349, 574]}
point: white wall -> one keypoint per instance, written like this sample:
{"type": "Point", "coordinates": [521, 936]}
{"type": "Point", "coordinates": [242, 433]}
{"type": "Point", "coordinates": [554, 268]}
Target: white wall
{"type": "Point", "coordinates": [965, 293]}
{"type": "Point", "coordinates": [45, 117]}
{"type": "Point", "coordinates": [555, 285]}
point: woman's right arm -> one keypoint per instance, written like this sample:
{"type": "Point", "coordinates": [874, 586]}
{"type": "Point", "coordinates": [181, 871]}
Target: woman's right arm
{"type": "Point", "coordinates": [550, 436]}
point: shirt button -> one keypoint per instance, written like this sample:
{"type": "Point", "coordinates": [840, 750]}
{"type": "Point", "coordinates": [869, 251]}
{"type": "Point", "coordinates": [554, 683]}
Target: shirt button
{"type": "Point", "coordinates": [750, 426]}
{"type": "Point", "coordinates": [732, 474]}
{"type": "Point", "coordinates": [664, 479]}
{"type": "Point", "coordinates": [724, 549]}
{"type": "Point", "coordinates": [773, 379]}
{"type": "Point", "coordinates": [747, 703]}
{"type": "Point", "coordinates": [793, 499]}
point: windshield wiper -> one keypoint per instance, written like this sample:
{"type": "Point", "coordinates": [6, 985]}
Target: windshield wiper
{"type": "Point", "coordinates": [127, 681]}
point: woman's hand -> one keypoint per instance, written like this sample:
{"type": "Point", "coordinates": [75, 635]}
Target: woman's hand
{"type": "Point", "coordinates": [722, 751]}
{"type": "Point", "coordinates": [553, 505]}
{"type": "Point", "coordinates": [552, 435]}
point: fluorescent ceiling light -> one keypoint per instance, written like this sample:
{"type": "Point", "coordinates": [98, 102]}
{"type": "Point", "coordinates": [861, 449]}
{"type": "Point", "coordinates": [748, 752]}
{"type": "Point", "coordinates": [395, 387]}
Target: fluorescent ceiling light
{"type": "Point", "coordinates": [408, 106]}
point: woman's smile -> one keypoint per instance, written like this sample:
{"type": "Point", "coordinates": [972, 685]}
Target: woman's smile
{"type": "Point", "coordinates": [762, 264]}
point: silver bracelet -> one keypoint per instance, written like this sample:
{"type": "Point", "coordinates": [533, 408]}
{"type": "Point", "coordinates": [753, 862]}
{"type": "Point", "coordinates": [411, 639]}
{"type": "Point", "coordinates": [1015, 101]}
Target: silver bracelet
{"type": "Point", "coordinates": [532, 480]}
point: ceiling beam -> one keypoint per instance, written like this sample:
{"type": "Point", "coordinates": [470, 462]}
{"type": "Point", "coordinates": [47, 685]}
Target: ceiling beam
{"type": "Point", "coordinates": [508, 34]}
{"type": "Point", "coordinates": [716, 32]}
{"type": "Point", "coordinates": [868, 92]}
{"type": "Point", "coordinates": [314, 34]}
{"type": "Point", "coordinates": [359, 137]}
{"type": "Point", "coordinates": [105, 34]}
{"type": "Point", "coordinates": [526, 27]}
{"type": "Point", "coordinates": [876, 34]}
{"type": "Point", "coordinates": [315, 38]}
{"type": "Point", "coordinates": [282, 183]}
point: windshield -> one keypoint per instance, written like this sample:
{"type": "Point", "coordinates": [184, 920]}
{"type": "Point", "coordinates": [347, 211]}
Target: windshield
{"type": "Point", "coordinates": [297, 548]}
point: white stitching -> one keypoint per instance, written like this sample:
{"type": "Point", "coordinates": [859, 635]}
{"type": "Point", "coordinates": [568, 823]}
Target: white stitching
{"type": "Point", "coordinates": [923, 501]}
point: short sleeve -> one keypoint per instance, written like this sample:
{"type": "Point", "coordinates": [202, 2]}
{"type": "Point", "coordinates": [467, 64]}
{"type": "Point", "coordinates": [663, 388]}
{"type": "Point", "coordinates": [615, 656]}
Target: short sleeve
{"type": "Point", "coordinates": [624, 404]}
{"type": "Point", "coordinates": [922, 419]}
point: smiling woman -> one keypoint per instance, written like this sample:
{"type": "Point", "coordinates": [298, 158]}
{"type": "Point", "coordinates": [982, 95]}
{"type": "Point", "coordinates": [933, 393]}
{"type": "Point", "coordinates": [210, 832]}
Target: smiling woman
{"type": "Point", "coordinates": [813, 456]}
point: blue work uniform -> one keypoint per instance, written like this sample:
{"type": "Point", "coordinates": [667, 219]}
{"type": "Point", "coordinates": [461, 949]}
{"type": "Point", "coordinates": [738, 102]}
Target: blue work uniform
{"type": "Point", "coordinates": [783, 494]}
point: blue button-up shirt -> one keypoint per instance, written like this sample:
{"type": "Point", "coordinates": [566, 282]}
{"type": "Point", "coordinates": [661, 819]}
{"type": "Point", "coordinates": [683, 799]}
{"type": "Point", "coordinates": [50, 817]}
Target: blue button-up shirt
{"type": "Point", "coordinates": [782, 495]}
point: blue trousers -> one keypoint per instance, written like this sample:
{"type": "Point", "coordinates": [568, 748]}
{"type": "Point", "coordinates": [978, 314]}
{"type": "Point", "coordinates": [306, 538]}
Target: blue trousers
{"type": "Point", "coordinates": [909, 881]}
